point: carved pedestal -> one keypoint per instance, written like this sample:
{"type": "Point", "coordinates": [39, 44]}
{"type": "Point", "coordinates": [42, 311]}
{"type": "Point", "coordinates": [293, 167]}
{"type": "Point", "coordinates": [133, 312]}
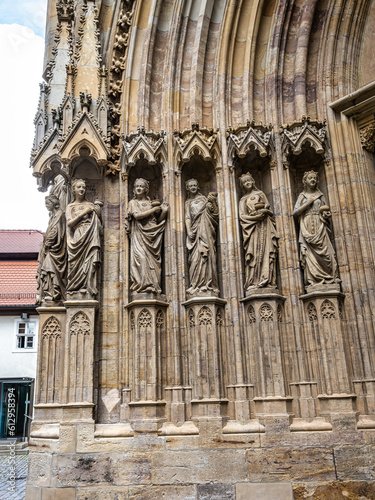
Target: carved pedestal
{"type": "Point", "coordinates": [328, 354]}
{"type": "Point", "coordinates": [147, 324]}
{"type": "Point", "coordinates": [206, 327]}
{"type": "Point", "coordinates": [262, 350]}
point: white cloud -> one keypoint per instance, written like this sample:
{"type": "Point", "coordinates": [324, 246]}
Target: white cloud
{"type": "Point", "coordinates": [21, 60]}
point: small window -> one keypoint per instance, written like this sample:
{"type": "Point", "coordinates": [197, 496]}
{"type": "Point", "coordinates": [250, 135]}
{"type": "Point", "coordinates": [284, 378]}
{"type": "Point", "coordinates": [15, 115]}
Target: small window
{"type": "Point", "coordinates": [25, 332]}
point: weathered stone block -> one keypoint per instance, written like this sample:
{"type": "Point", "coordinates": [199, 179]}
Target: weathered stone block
{"type": "Point", "coordinates": [162, 492]}
{"type": "Point", "coordinates": [103, 493]}
{"type": "Point", "coordinates": [261, 491]}
{"type": "Point", "coordinates": [33, 493]}
{"type": "Point", "coordinates": [59, 494]}
{"type": "Point", "coordinates": [198, 466]}
{"type": "Point", "coordinates": [355, 463]}
{"type": "Point", "coordinates": [305, 464]}
{"type": "Point", "coordinates": [216, 491]}
{"type": "Point", "coordinates": [84, 469]}
{"type": "Point", "coordinates": [135, 468]}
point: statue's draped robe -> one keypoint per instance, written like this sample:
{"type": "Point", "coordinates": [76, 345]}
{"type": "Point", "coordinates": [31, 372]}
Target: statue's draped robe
{"type": "Point", "coordinates": [83, 250]}
{"type": "Point", "coordinates": [202, 249]}
{"type": "Point", "coordinates": [146, 238]}
{"type": "Point", "coordinates": [51, 273]}
{"type": "Point", "coordinates": [259, 241]}
{"type": "Point", "coordinates": [316, 250]}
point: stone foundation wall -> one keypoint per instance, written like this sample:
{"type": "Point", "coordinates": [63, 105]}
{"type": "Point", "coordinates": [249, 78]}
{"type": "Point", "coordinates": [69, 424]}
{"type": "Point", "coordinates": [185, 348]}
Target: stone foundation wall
{"type": "Point", "coordinates": [276, 463]}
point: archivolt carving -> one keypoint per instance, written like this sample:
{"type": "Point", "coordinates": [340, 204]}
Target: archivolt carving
{"type": "Point", "coordinates": [266, 313]}
{"type": "Point", "coordinates": [327, 310]}
{"type": "Point", "coordinates": [245, 137]}
{"type": "Point", "coordinates": [80, 324]}
{"type": "Point", "coordinates": [296, 134]}
{"type": "Point", "coordinates": [151, 145]}
{"type": "Point", "coordinates": [312, 312]}
{"type": "Point", "coordinates": [119, 59]}
{"type": "Point", "coordinates": [51, 328]}
{"type": "Point", "coordinates": [205, 316]}
{"type": "Point", "coordinates": [367, 135]}
{"type": "Point", "coordinates": [65, 10]}
{"type": "Point", "coordinates": [144, 319]}
{"type": "Point", "coordinates": [159, 319]}
{"type": "Point", "coordinates": [251, 314]}
{"type": "Point", "coordinates": [197, 141]}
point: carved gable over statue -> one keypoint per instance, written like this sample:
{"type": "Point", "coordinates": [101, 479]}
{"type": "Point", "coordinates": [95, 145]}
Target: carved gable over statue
{"type": "Point", "coordinates": [205, 283]}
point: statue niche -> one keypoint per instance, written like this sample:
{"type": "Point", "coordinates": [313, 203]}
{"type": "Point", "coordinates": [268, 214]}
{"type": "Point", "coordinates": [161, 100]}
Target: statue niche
{"type": "Point", "coordinates": [51, 273]}
{"type": "Point", "coordinates": [317, 254]}
{"type": "Point", "coordinates": [84, 243]}
{"type": "Point", "coordinates": [145, 227]}
{"type": "Point", "coordinates": [259, 237]}
{"type": "Point", "coordinates": [201, 220]}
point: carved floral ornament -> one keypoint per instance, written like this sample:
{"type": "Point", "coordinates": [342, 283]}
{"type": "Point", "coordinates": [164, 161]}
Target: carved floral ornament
{"type": "Point", "coordinates": [245, 137]}
{"type": "Point", "coordinates": [306, 131]}
{"type": "Point", "coordinates": [367, 136]}
{"type": "Point", "coordinates": [197, 140]}
{"type": "Point", "coordinates": [65, 10]}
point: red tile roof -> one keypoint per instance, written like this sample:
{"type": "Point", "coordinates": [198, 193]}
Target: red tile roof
{"type": "Point", "coordinates": [17, 282]}
{"type": "Point", "coordinates": [19, 241]}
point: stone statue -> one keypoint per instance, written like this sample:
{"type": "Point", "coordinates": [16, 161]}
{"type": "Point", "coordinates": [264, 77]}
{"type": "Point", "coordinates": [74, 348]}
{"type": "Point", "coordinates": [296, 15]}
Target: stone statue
{"type": "Point", "coordinates": [61, 189]}
{"type": "Point", "coordinates": [201, 219]}
{"type": "Point", "coordinates": [51, 273]}
{"type": "Point", "coordinates": [316, 250]}
{"type": "Point", "coordinates": [84, 245]}
{"type": "Point", "coordinates": [259, 236]}
{"type": "Point", "coordinates": [145, 226]}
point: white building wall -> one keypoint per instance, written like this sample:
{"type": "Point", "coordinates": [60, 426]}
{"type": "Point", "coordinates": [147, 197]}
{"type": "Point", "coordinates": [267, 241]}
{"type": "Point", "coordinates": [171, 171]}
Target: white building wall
{"type": "Point", "coordinates": [15, 363]}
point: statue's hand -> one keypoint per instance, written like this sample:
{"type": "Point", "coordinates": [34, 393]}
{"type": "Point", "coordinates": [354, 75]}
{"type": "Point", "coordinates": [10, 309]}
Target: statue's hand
{"type": "Point", "coordinates": [164, 207]}
{"type": "Point", "coordinates": [157, 209]}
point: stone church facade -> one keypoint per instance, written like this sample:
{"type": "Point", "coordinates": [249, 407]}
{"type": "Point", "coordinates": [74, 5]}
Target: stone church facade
{"type": "Point", "coordinates": [206, 281]}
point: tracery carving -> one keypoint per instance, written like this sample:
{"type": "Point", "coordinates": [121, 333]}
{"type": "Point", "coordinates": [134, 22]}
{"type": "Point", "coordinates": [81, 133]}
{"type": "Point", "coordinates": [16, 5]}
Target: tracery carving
{"type": "Point", "coordinates": [51, 328]}
{"type": "Point", "coordinates": [159, 321]}
{"type": "Point", "coordinates": [298, 133]}
{"type": "Point", "coordinates": [251, 314]}
{"type": "Point", "coordinates": [191, 318]}
{"type": "Point", "coordinates": [132, 320]}
{"type": "Point", "coordinates": [197, 140]}
{"type": "Point", "coordinates": [367, 135]}
{"type": "Point", "coordinates": [312, 312]}
{"type": "Point", "coordinates": [266, 313]}
{"type": "Point", "coordinates": [80, 324]}
{"type": "Point", "coordinates": [327, 310]}
{"type": "Point", "coordinates": [243, 138]}
{"type": "Point", "coordinates": [144, 319]}
{"type": "Point", "coordinates": [220, 317]}
{"type": "Point", "coordinates": [145, 144]}
{"type": "Point", "coordinates": [204, 316]}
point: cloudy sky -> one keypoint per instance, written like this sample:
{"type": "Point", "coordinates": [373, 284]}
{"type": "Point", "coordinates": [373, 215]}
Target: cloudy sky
{"type": "Point", "coordinates": [22, 24]}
